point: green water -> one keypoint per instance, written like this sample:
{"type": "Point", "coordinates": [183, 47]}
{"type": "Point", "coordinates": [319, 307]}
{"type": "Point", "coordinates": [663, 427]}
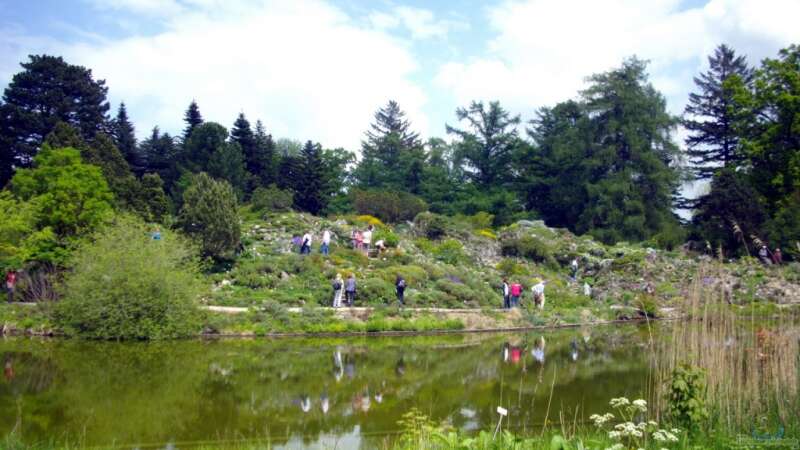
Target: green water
{"type": "Point", "coordinates": [313, 393]}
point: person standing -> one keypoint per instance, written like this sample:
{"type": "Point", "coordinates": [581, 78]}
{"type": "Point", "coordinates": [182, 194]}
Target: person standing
{"type": "Point", "coordinates": [367, 238]}
{"type": "Point", "coordinates": [326, 243]}
{"type": "Point", "coordinates": [777, 257]}
{"type": "Point", "coordinates": [338, 289]}
{"type": "Point", "coordinates": [350, 289]}
{"type": "Point", "coordinates": [538, 294]}
{"type": "Point", "coordinates": [359, 240]}
{"type": "Point", "coordinates": [11, 284]}
{"type": "Point", "coordinates": [506, 295]}
{"type": "Point", "coordinates": [516, 291]}
{"type": "Point", "coordinates": [763, 255]}
{"type": "Point", "coordinates": [305, 247]}
{"type": "Point", "coordinates": [573, 267]}
{"type": "Point", "coordinates": [400, 289]}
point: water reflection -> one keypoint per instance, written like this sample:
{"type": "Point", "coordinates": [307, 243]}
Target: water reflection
{"type": "Point", "coordinates": [306, 391]}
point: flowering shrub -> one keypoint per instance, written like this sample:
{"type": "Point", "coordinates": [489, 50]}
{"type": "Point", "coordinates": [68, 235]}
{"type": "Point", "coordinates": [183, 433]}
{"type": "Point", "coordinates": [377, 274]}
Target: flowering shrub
{"type": "Point", "coordinates": [631, 433]}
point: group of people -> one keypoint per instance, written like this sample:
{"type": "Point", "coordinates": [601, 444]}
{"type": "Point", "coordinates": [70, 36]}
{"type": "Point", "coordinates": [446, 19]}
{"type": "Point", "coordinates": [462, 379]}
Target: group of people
{"type": "Point", "coordinates": [347, 289]}
{"type": "Point", "coordinates": [512, 293]}
{"type": "Point", "coordinates": [304, 243]}
{"type": "Point", "coordinates": [769, 258]}
{"type": "Point", "coordinates": [362, 240]}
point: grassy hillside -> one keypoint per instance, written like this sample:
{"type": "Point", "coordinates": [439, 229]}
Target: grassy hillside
{"type": "Point", "coordinates": [462, 267]}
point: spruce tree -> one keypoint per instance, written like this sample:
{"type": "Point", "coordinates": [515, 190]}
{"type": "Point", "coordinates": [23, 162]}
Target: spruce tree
{"type": "Point", "coordinates": [193, 119]}
{"type": "Point", "coordinates": [125, 139]}
{"type": "Point", "coordinates": [267, 156]}
{"type": "Point", "coordinates": [227, 163]}
{"type": "Point", "coordinates": [160, 154]}
{"type": "Point", "coordinates": [488, 144]}
{"type": "Point", "coordinates": [391, 152]}
{"type": "Point", "coordinates": [312, 191]}
{"type": "Point", "coordinates": [710, 115]}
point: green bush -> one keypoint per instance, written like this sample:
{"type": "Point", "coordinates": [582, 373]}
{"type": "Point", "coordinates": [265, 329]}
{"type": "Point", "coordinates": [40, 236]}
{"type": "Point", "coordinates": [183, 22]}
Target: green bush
{"type": "Point", "coordinates": [125, 285]}
{"type": "Point", "coordinates": [430, 225]}
{"type": "Point", "coordinates": [271, 199]}
{"type": "Point", "coordinates": [414, 275]}
{"type": "Point", "coordinates": [209, 214]}
{"type": "Point", "coordinates": [389, 238]}
{"type": "Point", "coordinates": [529, 247]}
{"type": "Point", "coordinates": [375, 291]}
{"type": "Point", "coordinates": [450, 251]}
{"type": "Point", "coordinates": [686, 397]}
{"type": "Point", "coordinates": [390, 207]}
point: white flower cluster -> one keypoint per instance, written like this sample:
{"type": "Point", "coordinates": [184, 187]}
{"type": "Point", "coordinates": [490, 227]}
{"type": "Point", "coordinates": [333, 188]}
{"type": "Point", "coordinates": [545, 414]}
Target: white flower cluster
{"type": "Point", "coordinates": [619, 402]}
{"type": "Point", "coordinates": [616, 447]}
{"type": "Point", "coordinates": [601, 420]}
{"type": "Point", "coordinates": [666, 436]}
{"type": "Point", "coordinates": [627, 429]}
{"type": "Point", "coordinates": [640, 404]}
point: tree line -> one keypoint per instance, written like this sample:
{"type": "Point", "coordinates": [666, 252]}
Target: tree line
{"type": "Point", "coordinates": [604, 163]}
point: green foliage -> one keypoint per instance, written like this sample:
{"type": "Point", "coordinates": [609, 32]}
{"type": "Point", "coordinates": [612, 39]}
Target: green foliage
{"type": "Point", "coordinates": [209, 214]}
{"type": "Point", "coordinates": [47, 91]}
{"type": "Point", "coordinates": [70, 197]}
{"type": "Point", "coordinates": [390, 207]}
{"type": "Point", "coordinates": [530, 247]}
{"type": "Point", "coordinates": [312, 190]}
{"type": "Point", "coordinates": [392, 156]}
{"type": "Point", "coordinates": [488, 144]}
{"type": "Point", "coordinates": [373, 291]}
{"type": "Point", "coordinates": [389, 238]}
{"type": "Point", "coordinates": [227, 163]}
{"type": "Point", "coordinates": [450, 251]}
{"type": "Point", "coordinates": [272, 199]}
{"type": "Point", "coordinates": [686, 397]}
{"type": "Point", "coordinates": [509, 267]}
{"type": "Point", "coordinates": [126, 285]}
{"type": "Point", "coordinates": [154, 205]}
{"type": "Point", "coordinates": [431, 225]}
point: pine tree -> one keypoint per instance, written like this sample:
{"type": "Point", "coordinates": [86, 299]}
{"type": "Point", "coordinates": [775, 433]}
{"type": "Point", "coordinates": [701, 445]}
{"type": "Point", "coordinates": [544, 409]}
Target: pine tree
{"type": "Point", "coordinates": [125, 139]}
{"type": "Point", "coordinates": [267, 156]}
{"type": "Point", "coordinates": [161, 155]}
{"type": "Point", "coordinates": [204, 141]}
{"type": "Point", "coordinates": [243, 135]}
{"type": "Point", "coordinates": [391, 153]}
{"type": "Point", "coordinates": [193, 119]}
{"type": "Point", "coordinates": [709, 117]}
{"type": "Point", "coordinates": [312, 192]}
{"type": "Point", "coordinates": [227, 163]}
{"type": "Point", "coordinates": [46, 92]}
{"type": "Point", "coordinates": [489, 143]}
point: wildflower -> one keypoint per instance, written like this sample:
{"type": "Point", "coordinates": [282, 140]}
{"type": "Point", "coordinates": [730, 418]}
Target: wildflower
{"type": "Point", "coordinates": [640, 404]}
{"type": "Point", "coordinates": [599, 420]}
{"type": "Point", "coordinates": [619, 402]}
{"type": "Point", "coordinates": [616, 447]}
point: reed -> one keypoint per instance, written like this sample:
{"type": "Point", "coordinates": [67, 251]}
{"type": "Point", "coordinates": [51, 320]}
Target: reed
{"type": "Point", "coordinates": [751, 361]}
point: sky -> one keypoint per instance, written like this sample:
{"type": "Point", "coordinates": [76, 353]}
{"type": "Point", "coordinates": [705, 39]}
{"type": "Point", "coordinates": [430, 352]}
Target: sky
{"type": "Point", "coordinates": [319, 69]}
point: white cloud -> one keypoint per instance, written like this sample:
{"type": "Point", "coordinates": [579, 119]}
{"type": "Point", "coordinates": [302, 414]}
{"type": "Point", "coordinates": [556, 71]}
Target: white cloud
{"type": "Point", "coordinates": [420, 23]}
{"type": "Point", "coordinates": [304, 67]}
{"type": "Point", "coordinates": [544, 50]}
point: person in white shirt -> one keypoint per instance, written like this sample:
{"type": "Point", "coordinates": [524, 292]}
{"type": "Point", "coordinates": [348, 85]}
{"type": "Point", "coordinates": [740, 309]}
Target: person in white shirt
{"type": "Point", "coordinates": [538, 294]}
{"type": "Point", "coordinates": [325, 248]}
{"type": "Point", "coordinates": [367, 238]}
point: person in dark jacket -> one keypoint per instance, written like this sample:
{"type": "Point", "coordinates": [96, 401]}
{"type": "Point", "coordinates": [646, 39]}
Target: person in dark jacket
{"type": "Point", "coordinates": [400, 288]}
{"type": "Point", "coordinates": [350, 289]}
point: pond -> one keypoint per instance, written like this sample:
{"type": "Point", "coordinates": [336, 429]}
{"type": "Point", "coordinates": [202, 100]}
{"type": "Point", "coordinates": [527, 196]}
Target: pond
{"type": "Point", "coordinates": [313, 393]}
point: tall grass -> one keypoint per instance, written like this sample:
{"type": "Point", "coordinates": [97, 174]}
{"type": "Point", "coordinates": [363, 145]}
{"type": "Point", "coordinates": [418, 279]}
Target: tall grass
{"type": "Point", "coordinates": [751, 362]}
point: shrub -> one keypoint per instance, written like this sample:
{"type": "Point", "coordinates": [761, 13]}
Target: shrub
{"type": "Point", "coordinates": [272, 199]}
{"type": "Point", "coordinates": [509, 267]}
{"type": "Point", "coordinates": [487, 234]}
{"type": "Point", "coordinates": [125, 285]}
{"type": "Point", "coordinates": [481, 220]}
{"type": "Point", "coordinates": [687, 397]}
{"type": "Point", "coordinates": [367, 219]}
{"type": "Point", "coordinates": [450, 251]}
{"type": "Point", "coordinates": [389, 239]}
{"type": "Point", "coordinates": [375, 291]}
{"type": "Point", "coordinates": [431, 225]}
{"type": "Point", "coordinates": [529, 247]}
{"type": "Point", "coordinates": [209, 214]}
{"type": "Point", "coordinates": [391, 207]}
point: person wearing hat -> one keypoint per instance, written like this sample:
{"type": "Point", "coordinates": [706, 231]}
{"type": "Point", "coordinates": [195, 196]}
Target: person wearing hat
{"type": "Point", "coordinates": [538, 293]}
